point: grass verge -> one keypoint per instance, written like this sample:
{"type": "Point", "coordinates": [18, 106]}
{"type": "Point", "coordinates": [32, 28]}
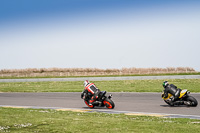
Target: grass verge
{"type": "Point", "coordinates": [192, 85]}
{"type": "Point", "coordinates": [41, 120]}
{"type": "Point", "coordinates": [125, 75]}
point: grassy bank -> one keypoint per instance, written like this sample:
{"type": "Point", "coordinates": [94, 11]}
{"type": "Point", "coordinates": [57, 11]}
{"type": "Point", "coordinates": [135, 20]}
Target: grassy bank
{"type": "Point", "coordinates": [39, 120]}
{"type": "Point", "coordinates": [111, 86]}
{"type": "Point", "coordinates": [54, 76]}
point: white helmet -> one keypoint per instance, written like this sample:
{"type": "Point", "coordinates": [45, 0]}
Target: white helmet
{"type": "Point", "coordinates": [86, 82]}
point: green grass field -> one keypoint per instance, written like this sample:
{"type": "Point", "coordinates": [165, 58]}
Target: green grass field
{"type": "Point", "coordinates": [192, 85]}
{"type": "Point", "coordinates": [50, 121]}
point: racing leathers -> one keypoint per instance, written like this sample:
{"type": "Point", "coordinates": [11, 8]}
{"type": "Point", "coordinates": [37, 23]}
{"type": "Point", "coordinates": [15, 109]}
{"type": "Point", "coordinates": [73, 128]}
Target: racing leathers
{"type": "Point", "coordinates": [172, 89]}
{"type": "Point", "coordinates": [91, 89]}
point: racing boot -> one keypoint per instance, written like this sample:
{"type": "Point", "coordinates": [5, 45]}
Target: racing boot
{"type": "Point", "coordinates": [95, 103]}
{"type": "Point", "coordinates": [188, 103]}
{"type": "Point", "coordinates": [178, 103]}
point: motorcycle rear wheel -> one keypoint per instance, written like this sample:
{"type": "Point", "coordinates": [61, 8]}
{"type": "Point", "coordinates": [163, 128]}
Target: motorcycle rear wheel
{"type": "Point", "coordinates": [169, 103]}
{"type": "Point", "coordinates": [109, 103]}
{"type": "Point", "coordinates": [87, 103]}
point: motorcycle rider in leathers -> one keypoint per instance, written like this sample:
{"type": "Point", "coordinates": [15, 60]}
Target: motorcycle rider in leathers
{"type": "Point", "coordinates": [90, 89]}
{"type": "Point", "coordinates": [172, 89]}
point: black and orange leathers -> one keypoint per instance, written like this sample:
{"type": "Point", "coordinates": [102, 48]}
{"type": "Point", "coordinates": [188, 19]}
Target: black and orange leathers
{"type": "Point", "coordinates": [93, 90]}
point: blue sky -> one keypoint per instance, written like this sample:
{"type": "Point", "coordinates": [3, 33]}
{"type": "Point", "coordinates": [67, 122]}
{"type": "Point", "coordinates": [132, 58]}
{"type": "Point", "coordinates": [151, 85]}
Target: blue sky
{"type": "Point", "coordinates": [99, 34]}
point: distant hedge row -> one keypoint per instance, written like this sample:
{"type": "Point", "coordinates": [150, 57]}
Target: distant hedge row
{"type": "Point", "coordinates": [44, 72]}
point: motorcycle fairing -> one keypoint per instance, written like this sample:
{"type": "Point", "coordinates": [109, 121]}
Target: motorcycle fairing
{"type": "Point", "coordinates": [182, 93]}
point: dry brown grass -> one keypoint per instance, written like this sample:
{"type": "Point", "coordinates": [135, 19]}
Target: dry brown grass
{"type": "Point", "coordinates": [45, 72]}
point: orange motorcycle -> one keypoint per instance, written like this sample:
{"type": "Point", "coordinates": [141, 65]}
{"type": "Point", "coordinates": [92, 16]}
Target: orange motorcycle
{"type": "Point", "coordinates": [102, 100]}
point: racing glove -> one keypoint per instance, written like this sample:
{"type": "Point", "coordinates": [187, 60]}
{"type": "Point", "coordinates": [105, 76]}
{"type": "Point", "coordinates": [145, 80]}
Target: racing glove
{"type": "Point", "coordinates": [82, 94]}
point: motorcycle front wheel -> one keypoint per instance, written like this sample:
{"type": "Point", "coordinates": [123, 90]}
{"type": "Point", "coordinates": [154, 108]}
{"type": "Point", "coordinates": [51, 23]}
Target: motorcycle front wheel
{"type": "Point", "coordinates": [192, 100]}
{"type": "Point", "coordinates": [109, 103]}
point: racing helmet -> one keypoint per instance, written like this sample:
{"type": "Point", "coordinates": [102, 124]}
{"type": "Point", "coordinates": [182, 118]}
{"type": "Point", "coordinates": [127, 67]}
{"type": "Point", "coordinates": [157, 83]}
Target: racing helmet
{"type": "Point", "coordinates": [86, 82]}
{"type": "Point", "coordinates": [165, 83]}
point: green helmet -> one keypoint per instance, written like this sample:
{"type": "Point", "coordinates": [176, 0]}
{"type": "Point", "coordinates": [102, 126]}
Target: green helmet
{"type": "Point", "coordinates": [165, 83]}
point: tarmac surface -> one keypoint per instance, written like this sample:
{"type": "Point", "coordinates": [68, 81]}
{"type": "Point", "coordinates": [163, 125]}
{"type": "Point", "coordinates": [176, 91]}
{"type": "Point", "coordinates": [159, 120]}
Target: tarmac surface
{"type": "Point", "coordinates": [128, 103]}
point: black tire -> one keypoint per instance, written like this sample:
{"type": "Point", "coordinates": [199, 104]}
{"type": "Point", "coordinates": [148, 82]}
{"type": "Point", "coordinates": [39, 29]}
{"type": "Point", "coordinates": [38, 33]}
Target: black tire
{"type": "Point", "coordinates": [169, 103]}
{"type": "Point", "coordinates": [109, 103]}
{"type": "Point", "coordinates": [192, 100]}
{"type": "Point", "coordinates": [87, 103]}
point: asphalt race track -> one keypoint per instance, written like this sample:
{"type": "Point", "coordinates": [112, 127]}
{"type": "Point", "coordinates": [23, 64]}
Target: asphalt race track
{"type": "Point", "coordinates": [132, 103]}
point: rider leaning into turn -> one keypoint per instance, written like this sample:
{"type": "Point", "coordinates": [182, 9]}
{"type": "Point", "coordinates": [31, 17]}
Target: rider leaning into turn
{"type": "Point", "coordinates": [90, 88]}
{"type": "Point", "coordinates": [172, 89]}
